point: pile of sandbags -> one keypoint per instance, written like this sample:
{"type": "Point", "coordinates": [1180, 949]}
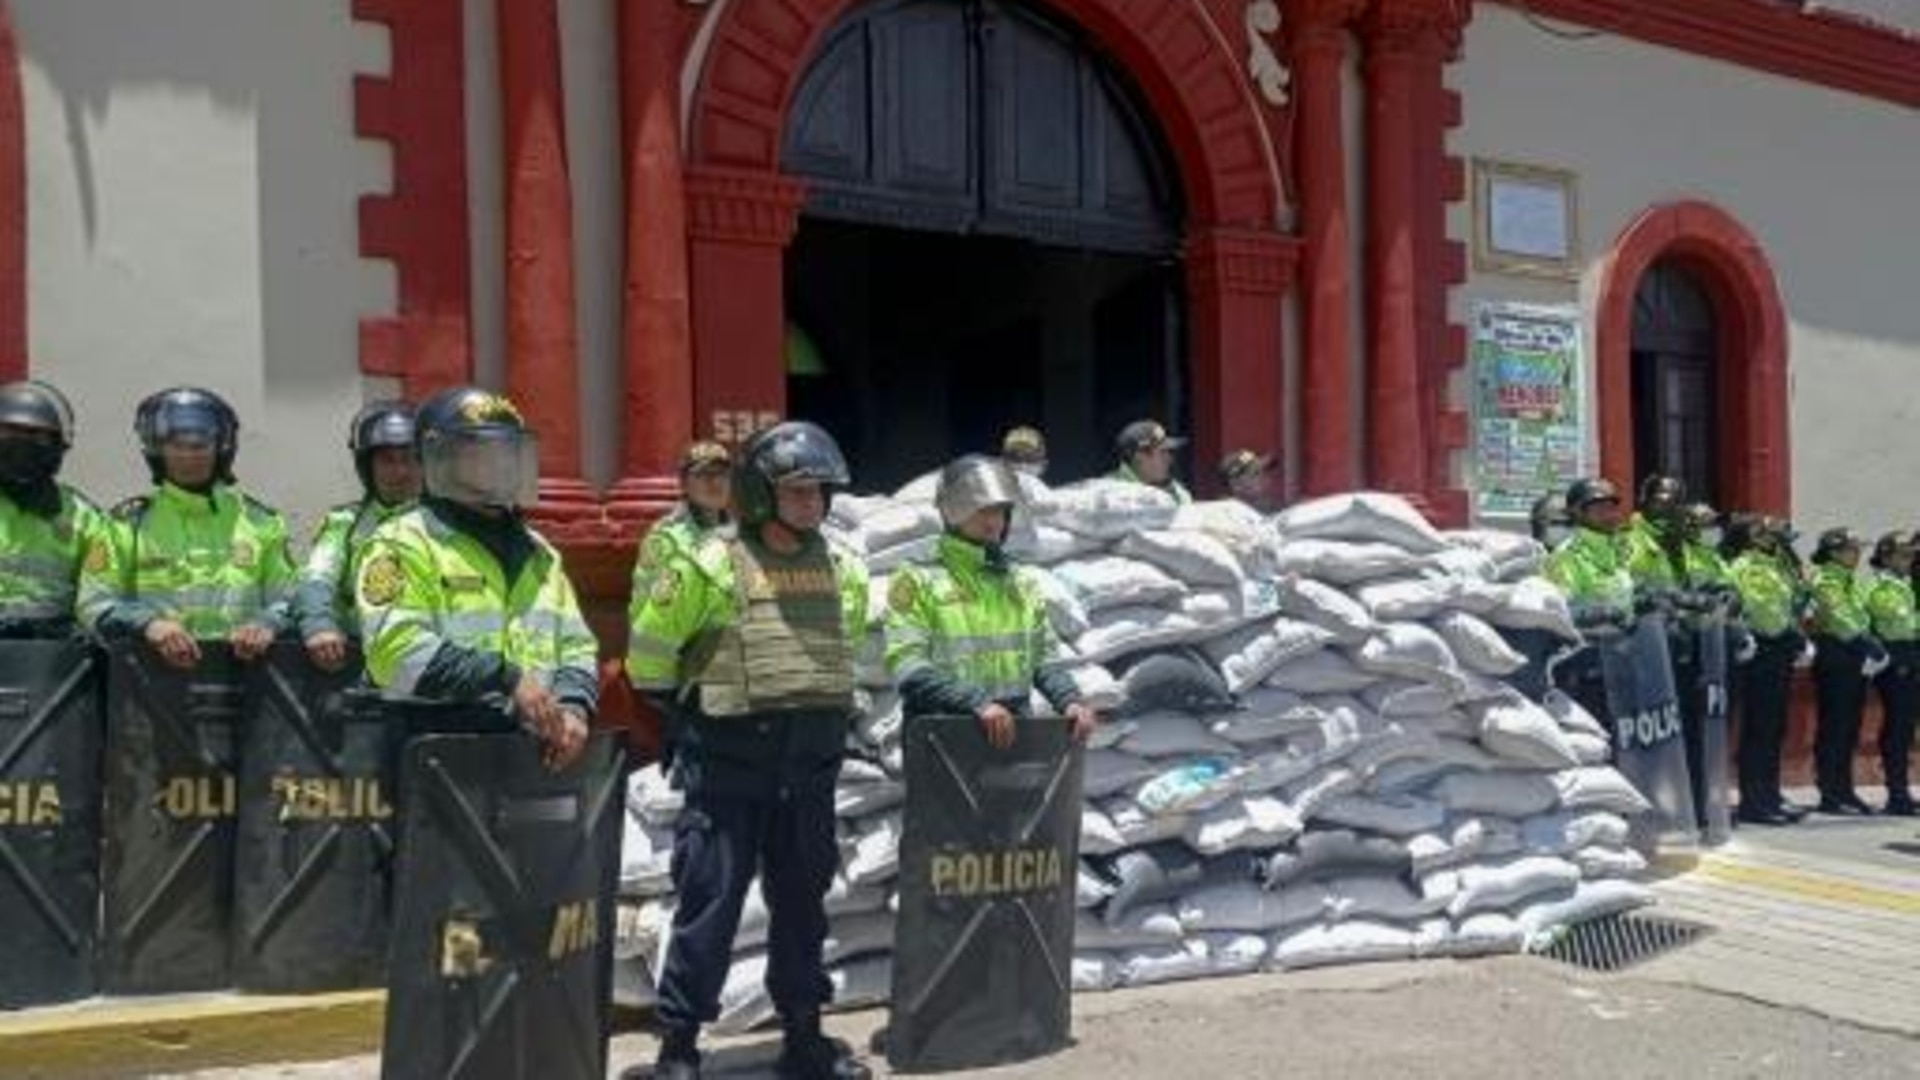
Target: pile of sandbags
{"type": "Point", "coordinates": [1314, 753]}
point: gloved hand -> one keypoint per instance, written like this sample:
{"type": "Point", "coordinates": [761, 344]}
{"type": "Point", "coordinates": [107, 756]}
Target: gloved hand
{"type": "Point", "coordinates": [1745, 645]}
{"type": "Point", "coordinates": [1876, 657]}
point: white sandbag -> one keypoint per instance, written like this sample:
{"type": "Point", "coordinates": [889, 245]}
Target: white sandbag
{"type": "Point", "coordinates": [1142, 927]}
{"type": "Point", "coordinates": [1403, 777]}
{"type": "Point", "coordinates": [1173, 734]}
{"type": "Point", "coordinates": [1244, 906]}
{"type": "Point", "coordinates": [862, 983]}
{"type": "Point", "coordinates": [1049, 545]}
{"type": "Point", "coordinates": [1407, 599]}
{"type": "Point", "coordinates": [1489, 933]}
{"type": "Point", "coordinates": [1398, 698]}
{"type": "Point", "coordinates": [1441, 723]}
{"type": "Point", "coordinates": [1107, 581]}
{"type": "Point", "coordinates": [1461, 841]}
{"type": "Point", "coordinates": [639, 927]}
{"type": "Point", "coordinates": [920, 489]}
{"type": "Point", "coordinates": [1248, 655]}
{"type": "Point", "coordinates": [1266, 714]}
{"type": "Point", "coordinates": [865, 788]}
{"type": "Point", "coordinates": [1362, 516]}
{"type": "Point", "coordinates": [1138, 826]}
{"type": "Point", "coordinates": [1463, 565]}
{"type": "Point", "coordinates": [1108, 772]}
{"type": "Point", "coordinates": [1351, 942]}
{"type": "Point", "coordinates": [1535, 604]}
{"type": "Point", "coordinates": [1609, 862]}
{"type": "Point", "coordinates": [1590, 900]}
{"type": "Point", "coordinates": [1186, 787]}
{"type": "Point", "coordinates": [1389, 815]}
{"type": "Point", "coordinates": [897, 524]}
{"type": "Point", "coordinates": [1242, 823]}
{"type": "Point", "coordinates": [920, 552]}
{"type": "Point", "coordinates": [1090, 889]}
{"type": "Point", "coordinates": [1098, 836]}
{"type": "Point", "coordinates": [1325, 671]}
{"type": "Point", "coordinates": [652, 796]}
{"type": "Point", "coordinates": [1376, 896]}
{"type": "Point", "coordinates": [1566, 831]}
{"type": "Point", "coordinates": [1515, 555]}
{"type": "Point", "coordinates": [1094, 972]}
{"type": "Point", "coordinates": [1191, 557]}
{"type": "Point", "coordinates": [1410, 651]}
{"type": "Point", "coordinates": [876, 850]}
{"type": "Point", "coordinates": [1245, 531]}
{"type": "Point", "coordinates": [1517, 729]}
{"type": "Point", "coordinates": [862, 934]}
{"type": "Point", "coordinates": [882, 722]}
{"type": "Point", "coordinates": [1324, 853]}
{"type": "Point", "coordinates": [1571, 716]}
{"type": "Point", "coordinates": [870, 661]}
{"type": "Point", "coordinates": [1108, 509]}
{"type": "Point", "coordinates": [1598, 787]}
{"type": "Point", "coordinates": [1065, 613]}
{"type": "Point", "coordinates": [1589, 749]}
{"type": "Point", "coordinates": [1477, 645]}
{"type": "Point", "coordinates": [1311, 795]}
{"type": "Point", "coordinates": [1325, 606]}
{"type": "Point", "coordinates": [646, 858]}
{"type": "Point", "coordinates": [1131, 628]}
{"type": "Point", "coordinates": [1153, 874]}
{"type": "Point", "coordinates": [1097, 687]}
{"type": "Point", "coordinates": [1501, 794]}
{"type": "Point", "coordinates": [1108, 734]}
{"type": "Point", "coordinates": [1235, 954]}
{"type": "Point", "coordinates": [1213, 609]}
{"type": "Point", "coordinates": [1165, 963]}
{"type": "Point", "coordinates": [1343, 562]}
{"type": "Point", "coordinates": [1497, 886]}
{"type": "Point", "coordinates": [744, 1004]}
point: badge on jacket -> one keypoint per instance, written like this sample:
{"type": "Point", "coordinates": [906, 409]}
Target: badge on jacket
{"type": "Point", "coordinates": [244, 555]}
{"type": "Point", "coordinates": [381, 580]}
{"type": "Point", "coordinates": [97, 557]}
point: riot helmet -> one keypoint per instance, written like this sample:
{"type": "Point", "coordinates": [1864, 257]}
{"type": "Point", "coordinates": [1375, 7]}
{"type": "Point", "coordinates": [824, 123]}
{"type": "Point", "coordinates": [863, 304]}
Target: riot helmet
{"type": "Point", "coordinates": [475, 450]}
{"type": "Point", "coordinates": [383, 425]}
{"type": "Point", "coordinates": [1594, 503]}
{"type": "Point", "coordinates": [790, 451]}
{"type": "Point", "coordinates": [974, 483]}
{"type": "Point", "coordinates": [1834, 543]}
{"type": "Point", "coordinates": [36, 428]}
{"type": "Point", "coordinates": [1891, 552]}
{"type": "Point", "coordinates": [1662, 497]}
{"type": "Point", "coordinates": [1549, 514]}
{"type": "Point", "coordinates": [192, 416]}
{"type": "Point", "coordinates": [1743, 533]}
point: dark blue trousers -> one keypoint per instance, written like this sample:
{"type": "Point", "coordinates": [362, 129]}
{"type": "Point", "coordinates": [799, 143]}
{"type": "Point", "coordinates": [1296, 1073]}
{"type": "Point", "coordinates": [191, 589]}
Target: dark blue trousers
{"type": "Point", "coordinates": [720, 843]}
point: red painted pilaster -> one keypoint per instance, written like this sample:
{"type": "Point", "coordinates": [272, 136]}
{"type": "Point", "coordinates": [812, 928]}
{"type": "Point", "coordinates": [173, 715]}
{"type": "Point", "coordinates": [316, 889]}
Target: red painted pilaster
{"type": "Point", "coordinates": [1235, 280]}
{"type": "Point", "coordinates": [13, 207]}
{"type": "Point", "coordinates": [1318, 47]}
{"type": "Point", "coordinates": [1441, 182]}
{"type": "Point", "coordinates": [1396, 428]}
{"type": "Point", "coordinates": [739, 222]}
{"type": "Point", "coordinates": [657, 328]}
{"type": "Point", "coordinates": [542, 340]}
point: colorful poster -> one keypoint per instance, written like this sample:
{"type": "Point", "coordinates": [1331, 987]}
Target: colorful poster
{"type": "Point", "coordinates": [1529, 434]}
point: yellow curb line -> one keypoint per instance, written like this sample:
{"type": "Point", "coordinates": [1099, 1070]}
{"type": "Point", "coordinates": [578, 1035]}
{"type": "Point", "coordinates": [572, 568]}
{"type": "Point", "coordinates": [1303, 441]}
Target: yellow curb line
{"type": "Point", "coordinates": [1811, 886]}
{"type": "Point", "coordinates": [134, 1037]}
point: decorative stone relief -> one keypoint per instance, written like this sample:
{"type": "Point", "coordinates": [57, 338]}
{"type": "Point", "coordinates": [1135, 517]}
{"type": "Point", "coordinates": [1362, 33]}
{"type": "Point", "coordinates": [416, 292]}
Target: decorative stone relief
{"type": "Point", "coordinates": [1269, 75]}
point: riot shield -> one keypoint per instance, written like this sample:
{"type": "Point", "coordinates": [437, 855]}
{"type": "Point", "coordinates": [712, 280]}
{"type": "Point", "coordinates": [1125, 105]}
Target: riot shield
{"type": "Point", "coordinates": [1710, 788]}
{"type": "Point", "coordinates": [172, 794]}
{"type": "Point", "coordinates": [983, 951]}
{"type": "Point", "coordinates": [50, 732]}
{"type": "Point", "coordinates": [502, 956]}
{"type": "Point", "coordinates": [316, 831]}
{"type": "Point", "coordinates": [1647, 735]}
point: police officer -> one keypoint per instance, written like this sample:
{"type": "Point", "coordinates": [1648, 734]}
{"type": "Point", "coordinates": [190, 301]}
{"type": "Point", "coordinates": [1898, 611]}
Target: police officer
{"type": "Point", "coordinates": [706, 492]}
{"type": "Point", "coordinates": [1769, 595]}
{"type": "Point", "coordinates": [969, 635]}
{"type": "Point", "coordinates": [1248, 477]}
{"type": "Point", "coordinates": [1891, 609]}
{"type": "Point", "coordinates": [1590, 568]}
{"type": "Point", "coordinates": [1145, 453]}
{"type": "Point", "coordinates": [1847, 656]}
{"type": "Point", "coordinates": [196, 559]}
{"type": "Point", "coordinates": [748, 640]}
{"type": "Point", "coordinates": [1653, 533]}
{"type": "Point", "coordinates": [46, 528]}
{"type": "Point", "coordinates": [381, 439]}
{"type": "Point", "coordinates": [1024, 450]}
{"type": "Point", "coordinates": [459, 600]}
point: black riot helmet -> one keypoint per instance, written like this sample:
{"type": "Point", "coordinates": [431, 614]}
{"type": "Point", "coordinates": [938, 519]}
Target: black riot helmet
{"type": "Point", "coordinates": [791, 450]}
{"type": "Point", "coordinates": [1889, 549]}
{"type": "Point", "coordinates": [36, 406]}
{"type": "Point", "coordinates": [1662, 497]}
{"type": "Point", "coordinates": [30, 461]}
{"type": "Point", "coordinates": [383, 425]}
{"type": "Point", "coordinates": [1742, 533]}
{"type": "Point", "coordinates": [475, 450]}
{"type": "Point", "coordinates": [187, 412]}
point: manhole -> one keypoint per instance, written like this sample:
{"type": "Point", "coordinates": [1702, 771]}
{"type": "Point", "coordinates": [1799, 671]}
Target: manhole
{"type": "Point", "coordinates": [1618, 942]}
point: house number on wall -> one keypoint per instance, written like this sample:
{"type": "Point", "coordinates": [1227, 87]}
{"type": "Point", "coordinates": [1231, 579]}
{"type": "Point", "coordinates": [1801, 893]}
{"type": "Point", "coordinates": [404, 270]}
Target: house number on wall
{"type": "Point", "coordinates": [735, 425]}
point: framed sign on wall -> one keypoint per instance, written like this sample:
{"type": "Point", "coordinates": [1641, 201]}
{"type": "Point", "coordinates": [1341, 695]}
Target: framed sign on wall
{"type": "Point", "coordinates": [1526, 220]}
{"type": "Point", "coordinates": [1529, 420]}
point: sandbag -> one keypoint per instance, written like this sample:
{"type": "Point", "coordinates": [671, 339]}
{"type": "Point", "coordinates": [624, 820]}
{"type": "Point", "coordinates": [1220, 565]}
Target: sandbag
{"type": "Point", "coordinates": [1187, 787]}
{"type": "Point", "coordinates": [1110, 581]}
{"type": "Point", "coordinates": [1410, 651]}
{"type": "Point", "coordinates": [1177, 680]}
{"type": "Point", "coordinates": [1098, 835]}
{"type": "Point", "coordinates": [653, 799]}
{"type": "Point", "coordinates": [896, 524]}
{"type": "Point", "coordinates": [1477, 645]}
{"type": "Point", "coordinates": [1137, 825]}
{"type": "Point", "coordinates": [1235, 954]}
{"type": "Point", "coordinates": [917, 552]}
{"type": "Point", "coordinates": [1514, 555]}
{"type": "Point", "coordinates": [1535, 604]}
{"type": "Point", "coordinates": [1325, 606]}
{"type": "Point", "coordinates": [1266, 714]}
{"type": "Point", "coordinates": [1488, 933]}
{"type": "Point", "coordinates": [1600, 787]}
{"type": "Point", "coordinates": [646, 857]}
{"type": "Point", "coordinates": [1173, 735]}
{"type": "Point", "coordinates": [1497, 886]}
{"type": "Point", "coordinates": [1097, 687]}
{"type": "Point", "coordinates": [1342, 562]}
{"type": "Point", "coordinates": [1352, 942]}
{"type": "Point", "coordinates": [1571, 717]}
{"type": "Point", "coordinates": [1094, 972]}
{"type": "Point", "coordinates": [1310, 796]}
{"type": "Point", "coordinates": [1246, 657]}
{"type": "Point", "coordinates": [1108, 772]}
{"type": "Point", "coordinates": [1589, 900]}
{"type": "Point", "coordinates": [1191, 557]}
{"type": "Point", "coordinates": [1245, 906]}
{"type": "Point", "coordinates": [1132, 628]}
{"type": "Point", "coordinates": [1608, 862]}
{"type": "Point", "coordinates": [1570, 830]}
{"type": "Point", "coordinates": [1049, 545]}
{"type": "Point", "coordinates": [1150, 875]}
{"type": "Point", "coordinates": [1137, 928]}
{"type": "Point", "coordinates": [1362, 516]}
{"type": "Point", "coordinates": [1519, 730]}
{"type": "Point", "coordinates": [1242, 823]}
{"type": "Point", "coordinates": [1398, 698]}
{"type": "Point", "coordinates": [1165, 963]}
{"type": "Point", "coordinates": [875, 854]}
{"type": "Point", "coordinates": [1323, 853]}
{"type": "Point", "coordinates": [1502, 794]}
{"type": "Point", "coordinates": [1375, 896]}
{"type": "Point", "coordinates": [1065, 613]}
{"type": "Point", "coordinates": [1389, 815]}
{"type": "Point", "coordinates": [1245, 531]}
{"type": "Point", "coordinates": [1461, 841]}
{"type": "Point", "coordinates": [1090, 887]}
{"type": "Point", "coordinates": [1326, 671]}
{"type": "Point", "coordinates": [1108, 509]}
{"type": "Point", "coordinates": [1407, 599]}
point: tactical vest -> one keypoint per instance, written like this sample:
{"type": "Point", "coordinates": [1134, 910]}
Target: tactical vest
{"type": "Point", "coordinates": [786, 650]}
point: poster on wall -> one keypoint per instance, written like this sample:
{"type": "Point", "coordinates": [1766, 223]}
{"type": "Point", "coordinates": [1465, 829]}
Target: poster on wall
{"type": "Point", "coordinates": [1529, 434]}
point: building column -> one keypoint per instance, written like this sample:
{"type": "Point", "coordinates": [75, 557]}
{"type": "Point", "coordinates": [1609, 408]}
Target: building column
{"type": "Point", "coordinates": [542, 340]}
{"type": "Point", "coordinates": [656, 345]}
{"type": "Point", "coordinates": [1396, 424]}
{"type": "Point", "coordinates": [1318, 48]}
{"type": "Point", "coordinates": [1235, 281]}
{"type": "Point", "coordinates": [739, 223]}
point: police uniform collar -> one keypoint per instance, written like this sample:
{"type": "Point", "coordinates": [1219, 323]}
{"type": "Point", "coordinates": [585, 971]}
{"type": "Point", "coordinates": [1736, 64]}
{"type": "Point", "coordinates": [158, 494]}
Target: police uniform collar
{"type": "Point", "coordinates": [960, 553]}
{"type": "Point", "coordinates": [207, 502]}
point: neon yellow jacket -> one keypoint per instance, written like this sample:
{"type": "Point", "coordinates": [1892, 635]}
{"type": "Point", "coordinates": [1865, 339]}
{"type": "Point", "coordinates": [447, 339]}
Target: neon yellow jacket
{"type": "Point", "coordinates": [41, 557]}
{"type": "Point", "coordinates": [213, 562]}
{"type": "Point", "coordinates": [1591, 568]}
{"type": "Point", "coordinates": [323, 596]}
{"type": "Point", "coordinates": [1839, 603]}
{"type": "Point", "coordinates": [1769, 596]}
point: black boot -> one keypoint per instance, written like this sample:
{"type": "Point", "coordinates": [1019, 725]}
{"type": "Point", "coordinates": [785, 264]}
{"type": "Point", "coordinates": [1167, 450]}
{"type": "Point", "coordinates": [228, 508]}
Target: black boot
{"type": "Point", "coordinates": [679, 1054]}
{"type": "Point", "coordinates": [806, 1054]}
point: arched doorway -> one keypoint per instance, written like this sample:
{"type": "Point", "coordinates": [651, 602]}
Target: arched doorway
{"type": "Point", "coordinates": [989, 238]}
{"type": "Point", "coordinates": [1675, 351]}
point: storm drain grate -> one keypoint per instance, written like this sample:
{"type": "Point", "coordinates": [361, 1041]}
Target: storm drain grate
{"type": "Point", "coordinates": [1618, 942]}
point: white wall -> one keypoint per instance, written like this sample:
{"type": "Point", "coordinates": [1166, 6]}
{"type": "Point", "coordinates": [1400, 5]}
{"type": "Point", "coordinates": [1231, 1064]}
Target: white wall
{"type": "Point", "coordinates": [1902, 14]}
{"type": "Point", "coordinates": [1826, 182]}
{"type": "Point", "coordinates": [192, 177]}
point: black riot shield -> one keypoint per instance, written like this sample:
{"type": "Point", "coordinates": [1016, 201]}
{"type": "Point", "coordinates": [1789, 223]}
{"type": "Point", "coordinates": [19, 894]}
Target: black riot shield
{"type": "Point", "coordinates": [1710, 787]}
{"type": "Point", "coordinates": [502, 957]}
{"type": "Point", "coordinates": [50, 732]}
{"type": "Point", "coordinates": [317, 833]}
{"type": "Point", "coordinates": [172, 796]}
{"type": "Point", "coordinates": [983, 951]}
{"type": "Point", "coordinates": [1648, 749]}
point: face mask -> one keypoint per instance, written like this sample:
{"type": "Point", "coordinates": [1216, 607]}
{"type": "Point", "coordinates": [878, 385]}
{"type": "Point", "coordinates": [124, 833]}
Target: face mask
{"type": "Point", "coordinates": [29, 462]}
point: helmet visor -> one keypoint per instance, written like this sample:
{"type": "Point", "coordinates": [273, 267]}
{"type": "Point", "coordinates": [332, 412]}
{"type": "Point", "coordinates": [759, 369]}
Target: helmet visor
{"type": "Point", "coordinates": [483, 467]}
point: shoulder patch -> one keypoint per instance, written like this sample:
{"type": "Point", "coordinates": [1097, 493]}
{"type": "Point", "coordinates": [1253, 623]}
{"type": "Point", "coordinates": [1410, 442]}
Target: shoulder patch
{"type": "Point", "coordinates": [244, 554]}
{"type": "Point", "coordinates": [903, 591]}
{"type": "Point", "coordinates": [381, 579]}
{"type": "Point", "coordinates": [666, 587]}
{"type": "Point", "coordinates": [98, 557]}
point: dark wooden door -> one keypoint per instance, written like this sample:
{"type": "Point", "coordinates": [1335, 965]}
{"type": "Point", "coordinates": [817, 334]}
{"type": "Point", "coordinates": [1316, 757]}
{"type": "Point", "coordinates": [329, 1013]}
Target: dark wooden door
{"type": "Point", "coordinates": [1675, 356]}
